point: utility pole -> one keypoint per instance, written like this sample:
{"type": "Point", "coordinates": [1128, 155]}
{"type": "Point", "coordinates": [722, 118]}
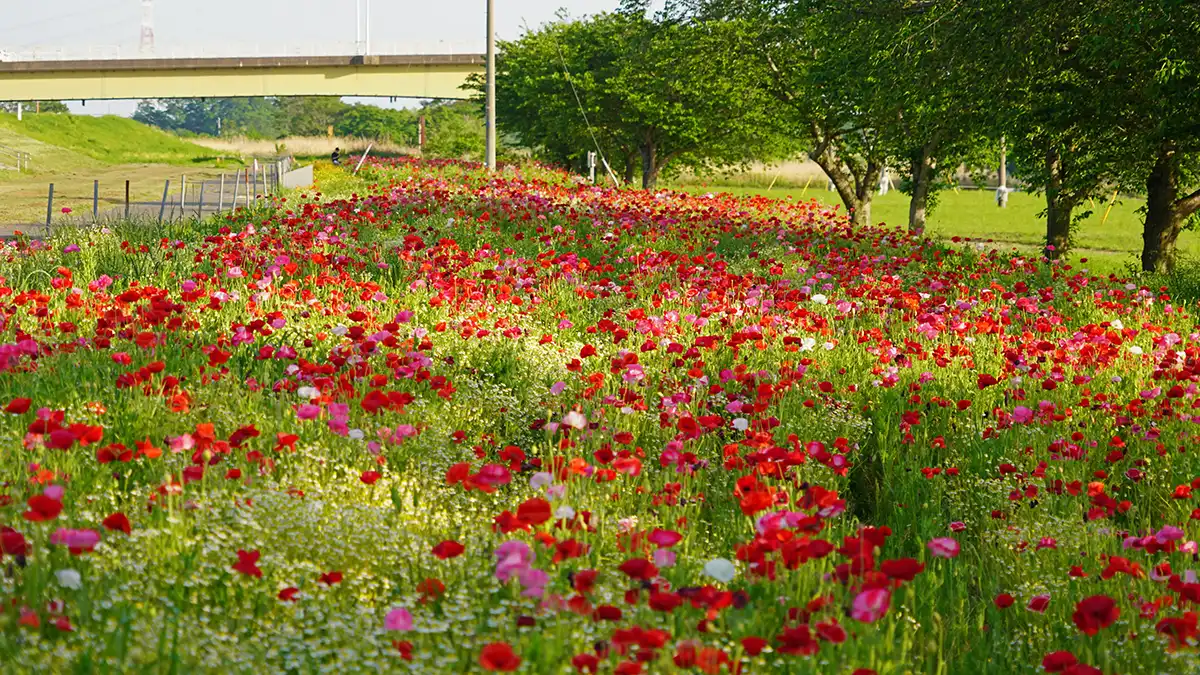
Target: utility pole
{"type": "Point", "coordinates": [491, 85]}
{"type": "Point", "coordinates": [367, 29]}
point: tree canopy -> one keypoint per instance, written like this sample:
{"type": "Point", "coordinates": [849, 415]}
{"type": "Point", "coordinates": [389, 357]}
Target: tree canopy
{"type": "Point", "coordinates": [652, 93]}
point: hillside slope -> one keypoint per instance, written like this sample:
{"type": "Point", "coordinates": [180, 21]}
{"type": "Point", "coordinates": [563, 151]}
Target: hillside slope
{"type": "Point", "coordinates": [109, 139]}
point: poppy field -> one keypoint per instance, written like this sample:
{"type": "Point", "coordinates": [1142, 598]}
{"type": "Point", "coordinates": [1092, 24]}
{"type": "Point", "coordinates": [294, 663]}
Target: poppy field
{"type": "Point", "coordinates": [431, 419]}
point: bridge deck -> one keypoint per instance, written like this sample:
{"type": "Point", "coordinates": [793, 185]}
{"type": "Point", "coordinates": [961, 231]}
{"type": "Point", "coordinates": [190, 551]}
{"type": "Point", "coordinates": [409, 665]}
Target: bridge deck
{"type": "Point", "coordinates": [411, 75]}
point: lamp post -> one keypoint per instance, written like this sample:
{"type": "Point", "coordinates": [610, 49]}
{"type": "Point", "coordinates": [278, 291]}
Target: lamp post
{"type": "Point", "coordinates": [491, 86]}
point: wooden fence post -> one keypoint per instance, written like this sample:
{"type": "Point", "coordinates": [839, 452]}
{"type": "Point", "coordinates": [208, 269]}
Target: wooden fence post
{"type": "Point", "coordinates": [182, 196]}
{"type": "Point", "coordinates": [200, 206]}
{"type": "Point", "coordinates": [221, 195]}
{"type": "Point", "coordinates": [126, 200]}
{"type": "Point", "coordinates": [95, 201]}
{"type": "Point", "coordinates": [49, 204]}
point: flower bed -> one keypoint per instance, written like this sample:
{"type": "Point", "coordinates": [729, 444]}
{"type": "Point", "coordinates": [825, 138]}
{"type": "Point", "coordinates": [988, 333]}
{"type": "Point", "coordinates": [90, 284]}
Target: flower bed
{"type": "Point", "coordinates": [443, 421]}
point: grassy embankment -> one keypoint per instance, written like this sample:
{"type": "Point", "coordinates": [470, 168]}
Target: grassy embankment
{"type": "Point", "coordinates": [72, 151]}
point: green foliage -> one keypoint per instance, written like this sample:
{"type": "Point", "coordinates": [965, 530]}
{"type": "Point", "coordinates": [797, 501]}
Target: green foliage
{"type": "Point", "coordinates": [454, 130]}
{"type": "Point", "coordinates": [250, 117]}
{"type": "Point", "coordinates": [653, 92]}
{"type": "Point", "coordinates": [309, 115]}
{"type": "Point", "coordinates": [36, 107]}
{"type": "Point", "coordinates": [368, 121]}
{"type": "Point", "coordinates": [111, 139]}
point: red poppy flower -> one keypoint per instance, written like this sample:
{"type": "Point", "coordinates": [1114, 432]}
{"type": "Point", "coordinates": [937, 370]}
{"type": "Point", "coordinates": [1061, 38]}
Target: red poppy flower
{"type": "Point", "coordinates": [498, 657]}
{"type": "Point", "coordinates": [248, 563]}
{"type": "Point", "coordinates": [12, 542]}
{"type": "Point", "coordinates": [369, 477]}
{"type": "Point", "coordinates": [448, 549]}
{"type": "Point", "coordinates": [42, 508]}
{"type": "Point", "coordinates": [1057, 662]}
{"type": "Point", "coordinates": [288, 594]}
{"type": "Point", "coordinates": [330, 578]}
{"type": "Point", "coordinates": [754, 645]}
{"type": "Point", "coordinates": [586, 663]}
{"type": "Point", "coordinates": [18, 406]}
{"type": "Point", "coordinates": [534, 511]}
{"type": "Point", "coordinates": [117, 522]}
{"type": "Point", "coordinates": [1004, 601]}
{"type": "Point", "coordinates": [1095, 612]}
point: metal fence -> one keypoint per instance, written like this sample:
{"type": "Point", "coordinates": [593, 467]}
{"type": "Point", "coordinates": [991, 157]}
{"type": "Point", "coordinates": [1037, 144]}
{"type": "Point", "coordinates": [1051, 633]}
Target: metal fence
{"type": "Point", "coordinates": [181, 199]}
{"type": "Point", "coordinates": [13, 159]}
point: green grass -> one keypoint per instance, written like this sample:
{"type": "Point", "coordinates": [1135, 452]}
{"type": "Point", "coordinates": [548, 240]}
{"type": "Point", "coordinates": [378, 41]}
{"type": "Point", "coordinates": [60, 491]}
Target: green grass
{"type": "Point", "coordinates": [110, 139]}
{"type": "Point", "coordinates": [1104, 244]}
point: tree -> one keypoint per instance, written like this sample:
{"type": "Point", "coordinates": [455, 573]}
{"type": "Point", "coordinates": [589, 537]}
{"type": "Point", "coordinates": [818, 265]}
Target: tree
{"type": "Point", "coordinates": [1144, 58]}
{"type": "Point", "coordinates": [253, 117]}
{"type": "Point", "coordinates": [368, 121]}
{"type": "Point", "coordinates": [52, 107]}
{"type": "Point", "coordinates": [454, 130]}
{"type": "Point", "coordinates": [659, 91]}
{"type": "Point", "coordinates": [309, 115]}
{"type": "Point", "coordinates": [817, 71]}
{"type": "Point", "coordinates": [1031, 77]}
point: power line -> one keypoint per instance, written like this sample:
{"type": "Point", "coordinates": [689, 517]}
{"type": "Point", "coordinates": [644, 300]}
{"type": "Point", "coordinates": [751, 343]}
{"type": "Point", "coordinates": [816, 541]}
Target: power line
{"type": "Point", "coordinates": [579, 102]}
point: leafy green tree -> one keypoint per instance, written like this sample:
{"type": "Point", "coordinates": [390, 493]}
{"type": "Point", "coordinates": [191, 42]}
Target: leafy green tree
{"type": "Point", "coordinates": [309, 115]}
{"type": "Point", "coordinates": [818, 72]}
{"type": "Point", "coordinates": [368, 121]}
{"type": "Point", "coordinates": [53, 107]}
{"type": "Point", "coordinates": [454, 130]}
{"type": "Point", "coordinates": [253, 117]}
{"type": "Point", "coordinates": [1143, 61]}
{"type": "Point", "coordinates": [656, 91]}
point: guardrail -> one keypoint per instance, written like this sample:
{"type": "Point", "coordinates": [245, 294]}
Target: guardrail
{"type": "Point", "coordinates": [20, 157]}
{"type": "Point", "coordinates": [117, 52]}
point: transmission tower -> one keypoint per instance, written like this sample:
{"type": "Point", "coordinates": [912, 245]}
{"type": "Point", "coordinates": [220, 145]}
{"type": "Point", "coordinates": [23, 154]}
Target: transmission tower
{"type": "Point", "coordinates": [146, 45]}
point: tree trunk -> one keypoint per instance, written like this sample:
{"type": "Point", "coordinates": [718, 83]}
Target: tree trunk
{"type": "Point", "coordinates": [649, 166]}
{"type": "Point", "coordinates": [1059, 207]}
{"type": "Point", "coordinates": [855, 193]}
{"type": "Point", "coordinates": [922, 177]}
{"type": "Point", "coordinates": [1165, 212]}
{"type": "Point", "coordinates": [630, 167]}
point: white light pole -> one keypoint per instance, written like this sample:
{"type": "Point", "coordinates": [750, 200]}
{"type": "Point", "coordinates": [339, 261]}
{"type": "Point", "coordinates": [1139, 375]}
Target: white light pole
{"type": "Point", "coordinates": [367, 29]}
{"type": "Point", "coordinates": [491, 86]}
{"type": "Point", "coordinates": [358, 27]}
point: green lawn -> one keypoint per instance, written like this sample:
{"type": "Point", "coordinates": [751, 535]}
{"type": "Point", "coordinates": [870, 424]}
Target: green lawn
{"type": "Point", "coordinates": [110, 139]}
{"type": "Point", "coordinates": [1106, 244]}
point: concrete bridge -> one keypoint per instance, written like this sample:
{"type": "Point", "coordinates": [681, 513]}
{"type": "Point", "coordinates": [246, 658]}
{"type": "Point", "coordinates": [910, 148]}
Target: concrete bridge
{"type": "Point", "coordinates": [434, 76]}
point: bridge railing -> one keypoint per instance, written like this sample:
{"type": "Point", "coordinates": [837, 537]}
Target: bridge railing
{"type": "Point", "coordinates": [114, 52]}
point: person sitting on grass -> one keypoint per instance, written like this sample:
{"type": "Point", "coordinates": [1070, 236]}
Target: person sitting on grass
{"type": "Point", "coordinates": [337, 156]}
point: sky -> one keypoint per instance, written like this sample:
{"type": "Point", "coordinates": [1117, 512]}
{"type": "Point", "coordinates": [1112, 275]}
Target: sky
{"type": "Point", "coordinates": [247, 27]}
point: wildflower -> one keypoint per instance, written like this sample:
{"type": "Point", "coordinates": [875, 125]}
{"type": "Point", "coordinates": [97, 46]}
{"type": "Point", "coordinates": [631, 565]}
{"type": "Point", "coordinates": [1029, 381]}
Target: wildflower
{"type": "Point", "coordinates": [943, 547]}
{"type": "Point", "coordinates": [1095, 612]}
{"type": "Point", "coordinates": [870, 605]}
{"type": "Point", "coordinates": [498, 657]}
{"type": "Point", "coordinates": [720, 569]}
{"type": "Point", "coordinates": [247, 563]}
{"type": "Point", "coordinates": [68, 578]}
{"type": "Point", "coordinates": [398, 619]}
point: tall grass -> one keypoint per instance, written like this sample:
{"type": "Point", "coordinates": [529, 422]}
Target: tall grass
{"type": "Point", "coordinates": [301, 146]}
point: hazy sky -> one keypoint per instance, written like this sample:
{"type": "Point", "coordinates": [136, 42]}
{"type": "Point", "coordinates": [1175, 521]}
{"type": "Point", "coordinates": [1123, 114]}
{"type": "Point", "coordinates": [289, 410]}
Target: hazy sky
{"type": "Point", "coordinates": [230, 27]}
